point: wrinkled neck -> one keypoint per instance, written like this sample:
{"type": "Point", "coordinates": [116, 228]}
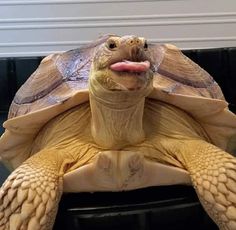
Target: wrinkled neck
{"type": "Point", "coordinates": [117, 116]}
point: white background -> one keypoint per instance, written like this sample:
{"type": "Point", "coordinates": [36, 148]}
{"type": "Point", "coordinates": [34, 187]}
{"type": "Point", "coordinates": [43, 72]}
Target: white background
{"type": "Point", "coordinates": [34, 27]}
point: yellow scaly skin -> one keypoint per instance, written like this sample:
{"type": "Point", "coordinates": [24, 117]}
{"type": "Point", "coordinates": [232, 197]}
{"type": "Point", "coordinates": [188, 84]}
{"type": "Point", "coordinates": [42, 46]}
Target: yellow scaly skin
{"type": "Point", "coordinates": [213, 174]}
{"type": "Point", "coordinates": [29, 198]}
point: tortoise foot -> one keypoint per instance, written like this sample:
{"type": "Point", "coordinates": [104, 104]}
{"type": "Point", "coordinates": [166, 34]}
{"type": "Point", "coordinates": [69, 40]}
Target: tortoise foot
{"type": "Point", "coordinates": [213, 174]}
{"type": "Point", "coordinates": [29, 198]}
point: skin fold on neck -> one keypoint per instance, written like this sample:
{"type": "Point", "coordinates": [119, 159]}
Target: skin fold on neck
{"type": "Point", "coordinates": [117, 116]}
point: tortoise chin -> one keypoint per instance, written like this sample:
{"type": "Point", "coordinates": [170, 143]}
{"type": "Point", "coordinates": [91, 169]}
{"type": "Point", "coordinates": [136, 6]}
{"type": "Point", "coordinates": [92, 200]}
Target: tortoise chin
{"type": "Point", "coordinates": [130, 80]}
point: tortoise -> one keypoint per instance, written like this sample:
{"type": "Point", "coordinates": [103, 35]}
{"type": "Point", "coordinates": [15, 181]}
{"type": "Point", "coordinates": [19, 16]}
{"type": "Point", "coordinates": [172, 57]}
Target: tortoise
{"type": "Point", "coordinates": [116, 115]}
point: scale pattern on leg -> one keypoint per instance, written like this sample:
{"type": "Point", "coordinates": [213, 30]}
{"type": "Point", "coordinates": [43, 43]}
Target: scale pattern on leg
{"type": "Point", "coordinates": [213, 174]}
{"type": "Point", "coordinates": [29, 198]}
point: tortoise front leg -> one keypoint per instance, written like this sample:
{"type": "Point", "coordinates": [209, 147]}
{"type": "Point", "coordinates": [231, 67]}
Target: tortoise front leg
{"type": "Point", "coordinates": [29, 198]}
{"type": "Point", "coordinates": [213, 174]}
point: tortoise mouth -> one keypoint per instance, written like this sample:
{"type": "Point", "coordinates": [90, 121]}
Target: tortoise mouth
{"type": "Point", "coordinates": [131, 66]}
{"type": "Point", "coordinates": [130, 75]}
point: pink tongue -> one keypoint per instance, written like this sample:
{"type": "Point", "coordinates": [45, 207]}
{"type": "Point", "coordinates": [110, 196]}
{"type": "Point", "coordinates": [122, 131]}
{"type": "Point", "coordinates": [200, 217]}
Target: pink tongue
{"type": "Point", "coordinates": [131, 66]}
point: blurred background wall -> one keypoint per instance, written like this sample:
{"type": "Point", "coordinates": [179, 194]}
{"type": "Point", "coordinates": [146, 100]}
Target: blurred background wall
{"type": "Point", "coordinates": [39, 27]}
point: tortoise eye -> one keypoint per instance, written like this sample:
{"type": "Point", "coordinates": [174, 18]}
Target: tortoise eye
{"type": "Point", "coordinates": [112, 45]}
{"type": "Point", "coordinates": [145, 45]}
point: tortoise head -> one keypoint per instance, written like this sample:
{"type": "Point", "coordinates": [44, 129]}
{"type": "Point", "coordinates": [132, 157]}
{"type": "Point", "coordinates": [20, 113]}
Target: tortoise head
{"type": "Point", "coordinates": [122, 64]}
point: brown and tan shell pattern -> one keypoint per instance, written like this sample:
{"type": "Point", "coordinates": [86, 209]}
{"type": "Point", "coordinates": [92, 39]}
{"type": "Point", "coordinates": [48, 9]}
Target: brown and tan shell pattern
{"type": "Point", "coordinates": [184, 84]}
{"type": "Point", "coordinates": [61, 82]}
{"type": "Point", "coordinates": [57, 79]}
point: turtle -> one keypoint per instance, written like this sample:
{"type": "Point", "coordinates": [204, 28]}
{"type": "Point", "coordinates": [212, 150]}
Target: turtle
{"type": "Point", "coordinates": [117, 114]}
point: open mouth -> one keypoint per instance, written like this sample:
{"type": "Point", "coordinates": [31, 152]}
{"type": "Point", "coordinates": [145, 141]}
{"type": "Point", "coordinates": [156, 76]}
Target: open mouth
{"type": "Point", "coordinates": [131, 67]}
{"type": "Point", "coordinates": [130, 75]}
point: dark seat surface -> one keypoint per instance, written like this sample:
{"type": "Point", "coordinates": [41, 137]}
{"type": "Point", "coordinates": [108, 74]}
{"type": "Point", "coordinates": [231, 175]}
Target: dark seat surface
{"type": "Point", "coordinates": [171, 207]}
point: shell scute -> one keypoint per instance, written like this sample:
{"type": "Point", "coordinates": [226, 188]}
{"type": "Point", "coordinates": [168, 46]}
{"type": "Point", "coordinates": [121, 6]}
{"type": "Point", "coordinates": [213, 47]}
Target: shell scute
{"type": "Point", "coordinates": [177, 74]}
{"type": "Point", "coordinates": [58, 77]}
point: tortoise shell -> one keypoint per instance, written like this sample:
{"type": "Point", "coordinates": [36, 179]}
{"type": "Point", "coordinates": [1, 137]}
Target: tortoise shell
{"type": "Point", "coordinates": [61, 82]}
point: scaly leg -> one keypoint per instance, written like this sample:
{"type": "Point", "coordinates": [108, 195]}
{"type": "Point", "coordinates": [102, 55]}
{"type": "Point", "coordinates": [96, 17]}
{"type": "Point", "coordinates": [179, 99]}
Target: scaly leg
{"type": "Point", "coordinates": [29, 197]}
{"type": "Point", "coordinates": [213, 174]}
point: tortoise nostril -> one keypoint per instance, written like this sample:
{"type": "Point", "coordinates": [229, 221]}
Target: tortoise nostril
{"type": "Point", "coordinates": [141, 43]}
{"type": "Point", "coordinates": [134, 41]}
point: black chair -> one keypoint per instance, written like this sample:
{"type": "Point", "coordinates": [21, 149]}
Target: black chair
{"type": "Point", "coordinates": [167, 207]}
